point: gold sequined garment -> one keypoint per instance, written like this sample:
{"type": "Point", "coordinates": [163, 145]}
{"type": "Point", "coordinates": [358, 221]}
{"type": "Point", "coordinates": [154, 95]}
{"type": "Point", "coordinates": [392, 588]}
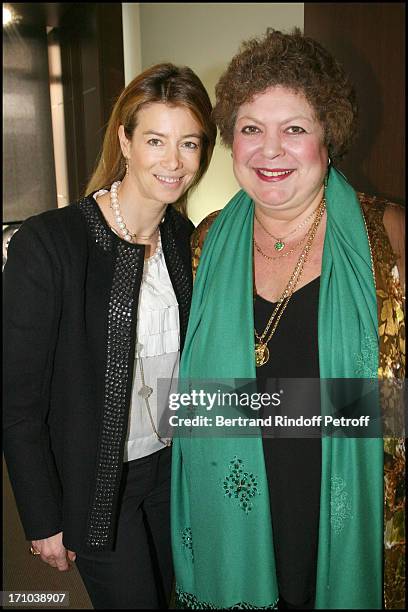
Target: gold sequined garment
{"type": "Point", "coordinates": [198, 237]}
{"type": "Point", "coordinates": [391, 324]}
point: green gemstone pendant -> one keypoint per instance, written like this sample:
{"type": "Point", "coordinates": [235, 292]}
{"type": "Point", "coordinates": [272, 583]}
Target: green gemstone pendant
{"type": "Point", "coordinates": [279, 245]}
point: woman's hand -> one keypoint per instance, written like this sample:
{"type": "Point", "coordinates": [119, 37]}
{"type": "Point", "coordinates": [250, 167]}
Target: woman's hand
{"type": "Point", "coordinates": [53, 552]}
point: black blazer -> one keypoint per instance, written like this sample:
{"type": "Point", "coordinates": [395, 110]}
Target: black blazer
{"type": "Point", "coordinates": [71, 290]}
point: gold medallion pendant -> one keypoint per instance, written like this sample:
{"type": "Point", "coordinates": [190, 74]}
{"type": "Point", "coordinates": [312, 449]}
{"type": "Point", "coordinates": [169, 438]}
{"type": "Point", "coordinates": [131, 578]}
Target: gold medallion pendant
{"type": "Point", "coordinates": [261, 349]}
{"type": "Point", "coordinates": [261, 354]}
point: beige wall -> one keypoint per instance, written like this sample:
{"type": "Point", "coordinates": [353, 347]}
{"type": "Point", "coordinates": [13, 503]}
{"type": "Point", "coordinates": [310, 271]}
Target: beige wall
{"type": "Point", "coordinates": [132, 46]}
{"type": "Point", "coordinates": [205, 36]}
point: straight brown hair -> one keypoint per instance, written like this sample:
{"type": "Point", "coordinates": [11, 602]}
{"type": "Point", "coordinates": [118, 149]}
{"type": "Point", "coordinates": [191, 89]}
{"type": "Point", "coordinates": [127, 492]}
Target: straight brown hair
{"type": "Point", "coordinates": [168, 84]}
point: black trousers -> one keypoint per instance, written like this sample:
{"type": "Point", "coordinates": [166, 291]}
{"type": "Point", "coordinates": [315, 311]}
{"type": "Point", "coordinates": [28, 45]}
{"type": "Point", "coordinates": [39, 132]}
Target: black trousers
{"type": "Point", "coordinates": [284, 605]}
{"type": "Point", "coordinates": [138, 574]}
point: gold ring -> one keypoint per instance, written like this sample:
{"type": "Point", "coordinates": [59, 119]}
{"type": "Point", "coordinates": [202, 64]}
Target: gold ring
{"type": "Point", "coordinates": [33, 551]}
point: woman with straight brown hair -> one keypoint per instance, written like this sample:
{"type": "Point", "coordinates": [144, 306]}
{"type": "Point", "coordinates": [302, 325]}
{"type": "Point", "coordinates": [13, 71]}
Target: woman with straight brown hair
{"type": "Point", "coordinates": [97, 298]}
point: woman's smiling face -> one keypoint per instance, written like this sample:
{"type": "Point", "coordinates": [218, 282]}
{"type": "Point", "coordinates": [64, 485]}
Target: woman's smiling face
{"type": "Point", "coordinates": [279, 154]}
{"type": "Point", "coordinates": [164, 152]}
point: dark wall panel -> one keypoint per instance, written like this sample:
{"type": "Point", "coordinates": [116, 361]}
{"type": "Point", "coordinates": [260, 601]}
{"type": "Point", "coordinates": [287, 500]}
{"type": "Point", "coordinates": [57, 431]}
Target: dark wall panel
{"type": "Point", "coordinates": [93, 77]}
{"type": "Point", "coordinates": [28, 155]}
{"type": "Point", "coordinates": [369, 40]}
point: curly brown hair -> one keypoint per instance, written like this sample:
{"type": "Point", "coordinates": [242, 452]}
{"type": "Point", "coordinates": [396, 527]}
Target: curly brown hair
{"type": "Point", "coordinates": [300, 64]}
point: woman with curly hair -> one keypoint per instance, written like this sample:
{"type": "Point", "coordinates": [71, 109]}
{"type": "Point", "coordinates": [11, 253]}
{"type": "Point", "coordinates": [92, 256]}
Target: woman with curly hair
{"type": "Point", "coordinates": [298, 277]}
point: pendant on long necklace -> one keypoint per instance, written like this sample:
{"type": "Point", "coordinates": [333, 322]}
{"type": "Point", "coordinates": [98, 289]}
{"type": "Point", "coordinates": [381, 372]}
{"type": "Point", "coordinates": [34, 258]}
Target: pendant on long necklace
{"type": "Point", "coordinates": [145, 391]}
{"type": "Point", "coordinates": [261, 354]}
{"type": "Point", "coordinates": [279, 245]}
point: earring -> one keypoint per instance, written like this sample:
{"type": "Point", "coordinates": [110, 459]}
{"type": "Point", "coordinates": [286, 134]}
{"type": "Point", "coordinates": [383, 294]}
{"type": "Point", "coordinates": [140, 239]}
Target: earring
{"type": "Point", "coordinates": [127, 166]}
{"type": "Point", "coordinates": [326, 178]}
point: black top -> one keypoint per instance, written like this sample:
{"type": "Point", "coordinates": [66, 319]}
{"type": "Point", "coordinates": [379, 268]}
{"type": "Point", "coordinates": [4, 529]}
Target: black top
{"type": "Point", "coordinates": [293, 465]}
{"type": "Point", "coordinates": [71, 290]}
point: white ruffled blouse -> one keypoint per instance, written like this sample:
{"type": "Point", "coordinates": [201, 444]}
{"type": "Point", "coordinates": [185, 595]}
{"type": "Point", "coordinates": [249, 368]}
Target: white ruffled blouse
{"type": "Point", "coordinates": [157, 351]}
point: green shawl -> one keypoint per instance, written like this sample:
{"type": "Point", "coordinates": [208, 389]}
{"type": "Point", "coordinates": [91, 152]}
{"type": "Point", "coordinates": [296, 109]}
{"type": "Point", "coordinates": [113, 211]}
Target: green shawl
{"type": "Point", "coordinates": [223, 553]}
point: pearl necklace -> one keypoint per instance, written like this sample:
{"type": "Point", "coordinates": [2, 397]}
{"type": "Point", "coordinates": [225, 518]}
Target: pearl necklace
{"type": "Point", "coordinates": [120, 222]}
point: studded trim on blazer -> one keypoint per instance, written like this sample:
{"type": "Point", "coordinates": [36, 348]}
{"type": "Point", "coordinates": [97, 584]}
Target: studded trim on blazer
{"type": "Point", "coordinates": [122, 315]}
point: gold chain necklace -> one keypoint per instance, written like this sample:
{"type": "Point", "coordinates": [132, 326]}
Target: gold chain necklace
{"type": "Point", "coordinates": [279, 242]}
{"type": "Point", "coordinates": [270, 258]}
{"type": "Point", "coordinates": [261, 348]}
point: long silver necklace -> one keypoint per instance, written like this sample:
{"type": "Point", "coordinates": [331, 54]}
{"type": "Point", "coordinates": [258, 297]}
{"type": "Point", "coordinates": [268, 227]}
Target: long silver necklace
{"type": "Point", "coordinates": [145, 392]}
